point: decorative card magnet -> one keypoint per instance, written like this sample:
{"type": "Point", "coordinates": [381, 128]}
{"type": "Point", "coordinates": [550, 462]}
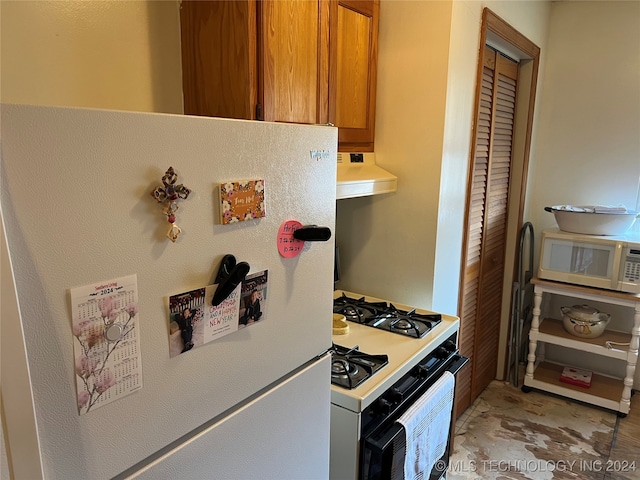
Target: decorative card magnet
{"type": "Point", "coordinates": [240, 201]}
{"type": "Point", "coordinates": [167, 194]}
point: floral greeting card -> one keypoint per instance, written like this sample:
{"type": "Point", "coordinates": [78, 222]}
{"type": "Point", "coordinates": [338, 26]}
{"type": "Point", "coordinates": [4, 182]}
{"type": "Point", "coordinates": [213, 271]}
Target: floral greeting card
{"type": "Point", "coordinates": [106, 344]}
{"type": "Point", "coordinates": [241, 201]}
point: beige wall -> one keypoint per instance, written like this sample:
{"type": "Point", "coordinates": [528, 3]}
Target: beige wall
{"type": "Point", "coordinates": [406, 246]}
{"type": "Point", "coordinates": [122, 55]}
{"type": "Point", "coordinates": [588, 143]}
{"type": "Point", "coordinates": [387, 241]}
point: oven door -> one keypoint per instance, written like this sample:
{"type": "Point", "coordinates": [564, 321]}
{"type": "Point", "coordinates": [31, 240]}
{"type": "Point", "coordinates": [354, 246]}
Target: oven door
{"type": "Point", "coordinates": [383, 451]}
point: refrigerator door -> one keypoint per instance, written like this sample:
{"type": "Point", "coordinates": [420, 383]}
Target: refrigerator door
{"type": "Point", "coordinates": [77, 208]}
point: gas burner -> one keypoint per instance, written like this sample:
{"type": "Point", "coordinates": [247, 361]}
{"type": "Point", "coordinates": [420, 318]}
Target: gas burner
{"type": "Point", "coordinates": [352, 313]}
{"type": "Point", "coordinates": [405, 326]}
{"type": "Point", "coordinates": [402, 324]}
{"type": "Point", "coordinates": [357, 310]}
{"type": "Point", "coordinates": [386, 316]}
{"type": "Point", "coordinates": [350, 367]}
{"type": "Point", "coordinates": [342, 368]}
{"type": "Point", "coordinates": [409, 323]}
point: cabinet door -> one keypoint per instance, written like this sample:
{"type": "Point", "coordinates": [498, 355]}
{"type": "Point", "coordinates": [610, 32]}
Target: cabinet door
{"type": "Point", "coordinates": [294, 60]}
{"type": "Point", "coordinates": [219, 62]}
{"type": "Point", "coordinates": [256, 59]}
{"type": "Point", "coordinates": [353, 72]}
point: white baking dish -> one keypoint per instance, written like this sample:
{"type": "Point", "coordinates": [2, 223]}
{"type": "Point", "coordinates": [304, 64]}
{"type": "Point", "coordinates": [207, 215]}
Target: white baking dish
{"type": "Point", "coordinates": [592, 220]}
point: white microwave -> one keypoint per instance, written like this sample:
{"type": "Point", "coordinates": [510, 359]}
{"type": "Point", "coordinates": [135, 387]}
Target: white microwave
{"type": "Point", "coordinates": [595, 261]}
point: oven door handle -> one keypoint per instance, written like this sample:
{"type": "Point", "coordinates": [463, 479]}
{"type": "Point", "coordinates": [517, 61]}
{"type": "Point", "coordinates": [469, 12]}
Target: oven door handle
{"type": "Point", "coordinates": [456, 363]}
{"type": "Point", "coordinates": [459, 361]}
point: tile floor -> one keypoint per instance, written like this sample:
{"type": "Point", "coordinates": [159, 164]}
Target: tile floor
{"type": "Point", "coordinates": [508, 434]}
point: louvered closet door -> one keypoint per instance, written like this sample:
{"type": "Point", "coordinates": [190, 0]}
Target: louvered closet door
{"type": "Point", "coordinates": [486, 227]}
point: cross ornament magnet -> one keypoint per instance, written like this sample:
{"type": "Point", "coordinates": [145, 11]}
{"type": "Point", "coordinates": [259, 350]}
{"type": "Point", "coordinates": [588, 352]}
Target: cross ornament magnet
{"type": "Point", "coordinates": [167, 194]}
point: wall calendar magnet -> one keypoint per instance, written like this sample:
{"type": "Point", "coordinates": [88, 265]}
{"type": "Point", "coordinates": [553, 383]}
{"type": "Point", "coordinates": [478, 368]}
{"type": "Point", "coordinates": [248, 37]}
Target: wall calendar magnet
{"type": "Point", "coordinates": [106, 345]}
{"type": "Point", "coordinates": [241, 201]}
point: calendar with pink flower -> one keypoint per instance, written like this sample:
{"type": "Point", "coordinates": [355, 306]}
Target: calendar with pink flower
{"type": "Point", "coordinates": [106, 341]}
{"type": "Point", "coordinates": [241, 201]}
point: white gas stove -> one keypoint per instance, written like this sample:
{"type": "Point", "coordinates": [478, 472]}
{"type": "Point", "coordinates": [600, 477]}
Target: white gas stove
{"type": "Point", "coordinates": [357, 412]}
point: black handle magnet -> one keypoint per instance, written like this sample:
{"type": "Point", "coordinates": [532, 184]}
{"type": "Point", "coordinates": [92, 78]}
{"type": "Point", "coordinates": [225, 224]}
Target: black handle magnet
{"type": "Point", "coordinates": [229, 276]}
{"type": "Point", "coordinates": [312, 233]}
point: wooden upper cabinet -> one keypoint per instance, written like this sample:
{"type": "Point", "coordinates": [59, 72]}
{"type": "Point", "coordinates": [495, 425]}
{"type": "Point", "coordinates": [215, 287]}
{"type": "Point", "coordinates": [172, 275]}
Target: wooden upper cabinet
{"type": "Point", "coordinates": [219, 58]}
{"type": "Point", "coordinates": [257, 60]}
{"type": "Point", "coordinates": [298, 61]}
{"type": "Point", "coordinates": [353, 72]}
{"type": "Point", "coordinates": [295, 60]}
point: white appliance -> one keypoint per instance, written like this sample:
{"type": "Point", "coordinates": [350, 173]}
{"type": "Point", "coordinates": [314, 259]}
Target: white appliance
{"type": "Point", "coordinates": [77, 209]}
{"type": "Point", "coordinates": [359, 176]}
{"type": "Point", "coordinates": [610, 262]}
{"type": "Point", "coordinates": [364, 432]}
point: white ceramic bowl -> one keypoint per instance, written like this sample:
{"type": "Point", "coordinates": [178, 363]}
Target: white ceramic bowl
{"type": "Point", "coordinates": [593, 223]}
{"type": "Point", "coordinates": [584, 321]}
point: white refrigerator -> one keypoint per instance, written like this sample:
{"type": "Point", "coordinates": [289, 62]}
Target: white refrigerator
{"type": "Point", "coordinates": [77, 210]}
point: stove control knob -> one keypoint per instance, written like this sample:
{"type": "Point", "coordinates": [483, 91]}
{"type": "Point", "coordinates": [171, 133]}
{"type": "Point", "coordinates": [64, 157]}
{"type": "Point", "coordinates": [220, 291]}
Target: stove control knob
{"type": "Point", "coordinates": [382, 407]}
{"type": "Point", "coordinates": [450, 345]}
{"type": "Point", "coordinates": [442, 352]}
{"type": "Point", "coordinates": [395, 395]}
{"type": "Point", "coordinates": [421, 371]}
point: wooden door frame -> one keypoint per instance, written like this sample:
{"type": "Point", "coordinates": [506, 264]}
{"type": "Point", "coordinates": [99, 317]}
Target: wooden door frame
{"type": "Point", "coordinates": [499, 33]}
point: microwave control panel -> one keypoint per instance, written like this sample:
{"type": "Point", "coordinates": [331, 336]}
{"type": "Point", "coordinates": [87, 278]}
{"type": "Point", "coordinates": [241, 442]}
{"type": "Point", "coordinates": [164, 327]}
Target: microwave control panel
{"type": "Point", "coordinates": [632, 266]}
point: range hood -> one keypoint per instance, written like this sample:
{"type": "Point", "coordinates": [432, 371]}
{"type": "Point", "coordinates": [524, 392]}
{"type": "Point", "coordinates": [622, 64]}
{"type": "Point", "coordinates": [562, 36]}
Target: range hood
{"type": "Point", "coordinates": [359, 176]}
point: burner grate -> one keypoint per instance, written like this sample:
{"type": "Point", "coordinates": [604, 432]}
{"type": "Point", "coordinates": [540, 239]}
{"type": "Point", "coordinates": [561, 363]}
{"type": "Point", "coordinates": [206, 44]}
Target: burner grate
{"type": "Point", "coordinates": [357, 310]}
{"type": "Point", "coordinates": [350, 367]}
{"type": "Point", "coordinates": [386, 316]}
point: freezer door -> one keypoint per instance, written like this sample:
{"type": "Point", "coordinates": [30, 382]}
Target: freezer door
{"type": "Point", "coordinates": [280, 434]}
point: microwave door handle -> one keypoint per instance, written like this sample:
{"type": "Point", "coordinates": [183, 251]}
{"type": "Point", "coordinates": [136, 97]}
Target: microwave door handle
{"type": "Point", "coordinates": [616, 281]}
